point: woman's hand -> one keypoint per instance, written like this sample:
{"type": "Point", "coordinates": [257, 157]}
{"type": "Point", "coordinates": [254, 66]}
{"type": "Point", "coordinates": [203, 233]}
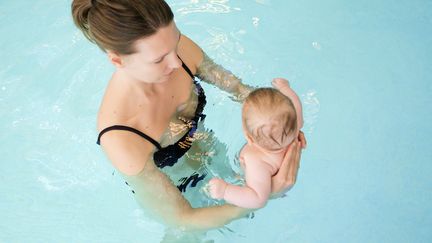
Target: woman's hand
{"type": "Point", "coordinates": [287, 174]}
{"type": "Point", "coordinates": [302, 139]}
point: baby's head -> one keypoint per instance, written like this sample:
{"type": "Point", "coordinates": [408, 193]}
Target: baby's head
{"type": "Point", "coordinates": [269, 119]}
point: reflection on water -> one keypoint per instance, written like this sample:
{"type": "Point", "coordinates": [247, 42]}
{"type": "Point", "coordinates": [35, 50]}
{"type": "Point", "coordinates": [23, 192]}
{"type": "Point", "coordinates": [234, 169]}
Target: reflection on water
{"type": "Point", "coordinates": [311, 107]}
{"type": "Point", "coordinates": [209, 6]}
{"type": "Point", "coordinates": [207, 158]}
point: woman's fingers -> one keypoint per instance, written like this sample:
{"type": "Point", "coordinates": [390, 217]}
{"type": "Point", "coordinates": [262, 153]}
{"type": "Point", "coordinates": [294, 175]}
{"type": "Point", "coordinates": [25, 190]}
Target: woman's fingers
{"type": "Point", "coordinates": [287, 159]}
{"type": "Point", "coordinates": [302, 139]}
{"type": "Point", "coordinates": [279, 180]}
{"type": "Point", "coordinates": [293, 164]}
{"type": "Point", "coordinates": [287, 174]}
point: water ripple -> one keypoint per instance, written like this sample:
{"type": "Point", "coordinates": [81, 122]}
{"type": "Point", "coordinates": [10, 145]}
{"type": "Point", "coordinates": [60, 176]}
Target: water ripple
{"type": "Point", "coordinates": [210, 6]}
{"type": "Point", "coordinates": [311, 107]}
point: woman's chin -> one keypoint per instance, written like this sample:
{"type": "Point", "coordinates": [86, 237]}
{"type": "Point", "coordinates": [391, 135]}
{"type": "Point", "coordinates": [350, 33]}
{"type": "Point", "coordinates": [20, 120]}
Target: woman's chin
{"type": "Point", "coordinates": [163, 79]}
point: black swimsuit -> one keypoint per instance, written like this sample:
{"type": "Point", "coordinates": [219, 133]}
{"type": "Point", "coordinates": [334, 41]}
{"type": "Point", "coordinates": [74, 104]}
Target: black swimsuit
{"type": "Point", "coordinates": [168, 156]}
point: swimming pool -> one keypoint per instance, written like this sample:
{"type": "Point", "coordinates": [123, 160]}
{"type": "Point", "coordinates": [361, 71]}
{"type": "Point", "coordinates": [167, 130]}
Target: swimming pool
{"type": "Point", "coordinates": [362, 70]}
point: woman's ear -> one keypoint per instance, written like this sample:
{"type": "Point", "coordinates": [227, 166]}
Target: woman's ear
{"type": "Point", "coordinates": [115, 59]}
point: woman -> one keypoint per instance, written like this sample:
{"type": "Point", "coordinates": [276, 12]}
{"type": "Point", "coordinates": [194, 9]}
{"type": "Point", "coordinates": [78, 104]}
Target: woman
{"type": "Point", "coordinates": [152, 104]}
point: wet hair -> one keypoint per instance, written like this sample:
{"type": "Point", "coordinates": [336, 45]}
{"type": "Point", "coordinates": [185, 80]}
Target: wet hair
{"type": "Point", "coordinates": [115, 25]}
{"type": "Point", "coordinates": [269, 117]}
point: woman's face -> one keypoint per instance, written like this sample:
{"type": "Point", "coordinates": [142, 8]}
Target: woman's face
{"type": "Point", "coordinates": [155, 58]}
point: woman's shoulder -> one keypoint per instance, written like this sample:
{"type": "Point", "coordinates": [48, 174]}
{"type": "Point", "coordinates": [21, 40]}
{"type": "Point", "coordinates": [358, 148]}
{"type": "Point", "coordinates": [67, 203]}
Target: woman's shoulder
{"type": "Point", "coordinates": [190, 52]}
{"type": "Point", "coordinates": [120, 105]}
{"type": "Point", "coordinates": [126, 150]}
{"type": "Point", "coordinates": [113, 109]}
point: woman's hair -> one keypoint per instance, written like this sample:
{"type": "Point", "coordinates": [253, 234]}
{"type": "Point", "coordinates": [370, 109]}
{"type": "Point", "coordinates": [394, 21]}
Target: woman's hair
{"type": "Point", "coordinates": [116, 24]}
{"type": "Point", "coordinates": [269, 117]}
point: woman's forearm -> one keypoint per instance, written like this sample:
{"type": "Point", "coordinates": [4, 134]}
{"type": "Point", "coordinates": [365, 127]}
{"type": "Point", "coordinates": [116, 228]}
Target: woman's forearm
{"type": "Point", "coordinates": [215, 74]}
{"type": "Point", "coordinates": [156, 193]}
{"type": "Point", "coordinates": [211, 217]}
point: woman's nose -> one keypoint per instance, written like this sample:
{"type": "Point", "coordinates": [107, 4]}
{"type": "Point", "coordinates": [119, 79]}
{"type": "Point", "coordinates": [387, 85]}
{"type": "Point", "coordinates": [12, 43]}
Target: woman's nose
{"type": "Point", "coordinates": [174, 61]}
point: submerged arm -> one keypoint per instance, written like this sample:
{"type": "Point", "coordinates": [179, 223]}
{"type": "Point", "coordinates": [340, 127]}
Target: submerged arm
{"type": "Point", "coordinates": [155, 192]}
{"type": "Point", "coordinates": [164, 198]}
{"type": "Point", "coordinates": [215, 74]}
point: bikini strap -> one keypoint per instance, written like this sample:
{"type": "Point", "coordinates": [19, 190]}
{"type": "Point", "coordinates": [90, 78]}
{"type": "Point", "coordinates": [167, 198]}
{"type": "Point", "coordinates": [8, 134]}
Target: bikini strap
{"type": "Point", "coordinates": [130, 129]}
{"type": "Point", "coordinates": [186, 68]}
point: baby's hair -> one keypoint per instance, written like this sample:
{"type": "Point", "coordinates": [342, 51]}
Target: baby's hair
{"type": "Point", "coordinates": [269, 117]}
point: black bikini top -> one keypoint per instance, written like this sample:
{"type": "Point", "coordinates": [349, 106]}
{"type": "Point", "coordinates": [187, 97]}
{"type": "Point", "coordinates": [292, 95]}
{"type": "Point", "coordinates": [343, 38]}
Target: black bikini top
{"type": "Point", "coordinates": [169, 155]}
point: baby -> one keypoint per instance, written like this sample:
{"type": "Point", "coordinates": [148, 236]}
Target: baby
{"type": "Point", "coordinates": [272, 119]}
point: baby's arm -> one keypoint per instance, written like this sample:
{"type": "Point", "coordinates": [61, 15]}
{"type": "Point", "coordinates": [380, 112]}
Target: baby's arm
{"type": "Point", "coordinates": [283, 86]}
{"type": "Point", "coordinates": [256, 192]}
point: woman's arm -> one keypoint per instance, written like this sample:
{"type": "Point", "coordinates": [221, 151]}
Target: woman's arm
{"type": "Point", "coordinates": [154, 190]}
{"type": "Point", "coordinates": [215, 74]}
{"type": "Point", "coordinates": [254, 194]}
{"type": "Point", "coordinates": [210, 72]}
{"type": "Point", "coordinates": [287, 174]}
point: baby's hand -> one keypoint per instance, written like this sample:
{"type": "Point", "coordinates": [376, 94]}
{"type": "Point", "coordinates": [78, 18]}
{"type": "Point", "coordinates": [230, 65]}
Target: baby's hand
{"type": "Point", "coordinates": [280, 83]}
{"type": "Point", "coordinates": [217, 188]}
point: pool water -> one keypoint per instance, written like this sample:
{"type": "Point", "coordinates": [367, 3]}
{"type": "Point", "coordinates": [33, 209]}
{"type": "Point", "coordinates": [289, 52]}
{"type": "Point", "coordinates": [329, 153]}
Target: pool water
{"type": "Point", "coordinates": [362, 69]}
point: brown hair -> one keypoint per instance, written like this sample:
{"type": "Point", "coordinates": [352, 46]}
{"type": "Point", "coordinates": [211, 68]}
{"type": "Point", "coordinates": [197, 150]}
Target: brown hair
{"type": "Point", "coordinates": [116, 24]}
{"type": "Point", "coordinates": [269, 117]}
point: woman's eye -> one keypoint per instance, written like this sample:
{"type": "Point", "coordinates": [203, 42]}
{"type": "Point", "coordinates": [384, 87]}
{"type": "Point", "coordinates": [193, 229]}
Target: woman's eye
{"type": "Point", "coordinates": [159, 61]}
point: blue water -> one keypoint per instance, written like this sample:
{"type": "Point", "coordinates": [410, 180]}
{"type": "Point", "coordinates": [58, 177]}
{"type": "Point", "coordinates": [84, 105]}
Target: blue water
{"type": "Point", "coordinates": [362, 69]}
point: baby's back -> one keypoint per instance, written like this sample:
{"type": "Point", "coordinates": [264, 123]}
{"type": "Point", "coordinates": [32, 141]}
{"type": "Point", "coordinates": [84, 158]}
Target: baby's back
{"type": "Point", "coordinates": [250, 152]}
